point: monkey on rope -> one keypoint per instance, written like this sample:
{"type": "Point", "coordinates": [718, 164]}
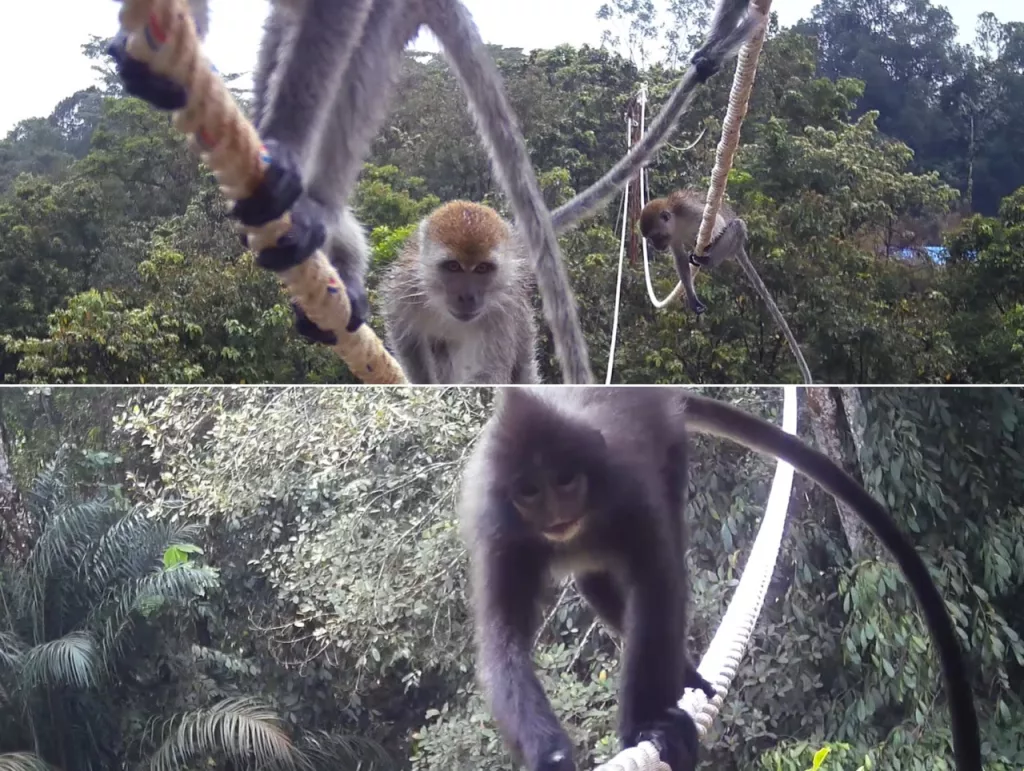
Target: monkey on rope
{"type": "Point", "coordinates": [593, 482]}
{"type": "Point", "coordinates": [457, 303]}
{"type": "Point", "coordinates": [674, 222]}
{"type": "Point", "coordinates": [324, 79]}
{"type": "Point", "coordinates": [316, 59]}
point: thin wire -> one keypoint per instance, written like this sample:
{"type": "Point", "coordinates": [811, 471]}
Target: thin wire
{"type": "Point", "coordinates": [622, 252]}
{"type": "Point", "coordinates": [659, 304]}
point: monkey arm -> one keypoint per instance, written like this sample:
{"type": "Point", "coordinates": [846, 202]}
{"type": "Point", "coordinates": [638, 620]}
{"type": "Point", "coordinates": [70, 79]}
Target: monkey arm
{"type": "Point", "coordinates": [508, 582]}
{"type": "Point", "coordinates": [685, 273]}
{"type": "Point", "coordinates": [656, 663]}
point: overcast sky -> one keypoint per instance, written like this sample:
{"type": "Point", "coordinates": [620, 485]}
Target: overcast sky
{"type": "Point", "coordinates": [43, 62]}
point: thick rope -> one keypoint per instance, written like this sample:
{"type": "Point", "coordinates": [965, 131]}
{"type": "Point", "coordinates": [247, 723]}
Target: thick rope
{"type": "Point", "coordinates": [163, 35]}
{"type": "Point", "coordinates": [739, 98]}
{"type": "Point", "coordinates": [722, 660]}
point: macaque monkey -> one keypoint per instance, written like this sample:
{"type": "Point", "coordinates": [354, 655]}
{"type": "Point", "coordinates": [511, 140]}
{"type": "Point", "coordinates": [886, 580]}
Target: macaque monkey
{"type": "Point", "coordinates": [674, 222]}
{"type": "Point", "coordinates": [324, 78]}
{"type": "Point", "coordinates": [593, 482]}
{"type": "Point", "coordinates": [457, 301]}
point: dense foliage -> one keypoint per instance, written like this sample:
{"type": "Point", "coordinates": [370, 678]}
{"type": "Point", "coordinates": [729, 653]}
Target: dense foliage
{"type": "Point", "coordinates": [340, 598]}
{"type": "Point", "coordinates": [871, 129]}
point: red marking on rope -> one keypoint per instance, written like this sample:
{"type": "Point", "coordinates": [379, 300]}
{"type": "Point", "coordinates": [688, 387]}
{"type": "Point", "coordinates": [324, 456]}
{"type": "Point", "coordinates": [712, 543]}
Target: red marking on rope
{"type": "Point", "coordinates": [265, 157]}
{"type": "Point", "coordinates": [159, 33]}
{"type": "Point", "coordinates": [333, 286]}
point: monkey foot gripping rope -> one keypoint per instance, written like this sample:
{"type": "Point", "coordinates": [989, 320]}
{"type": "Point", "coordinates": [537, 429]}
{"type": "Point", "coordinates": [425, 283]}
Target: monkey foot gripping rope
{"type": "Point", "coordinates": [722, 659]}
{"type": "Point", "coordinates": [162, 35]}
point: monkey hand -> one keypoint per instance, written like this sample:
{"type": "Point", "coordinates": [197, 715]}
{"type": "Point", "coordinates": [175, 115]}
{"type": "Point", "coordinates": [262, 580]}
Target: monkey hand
{"type": "Point", "coordinates": [697, 306]}
{"type": "Point", "coordinates": [359, 304]}
{"type": "Point", "coordinates": [693, 679]}
{"type": "Point", "coordinates": [140, 81]}
{"type": "Point", "coordinates": [277, 193]}
{"type": "Point", "coordinates": [675, 736]}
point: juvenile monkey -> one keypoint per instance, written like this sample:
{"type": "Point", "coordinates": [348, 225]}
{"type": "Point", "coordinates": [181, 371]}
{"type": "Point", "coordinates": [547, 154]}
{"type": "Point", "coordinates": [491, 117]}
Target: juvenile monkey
{"type": "Point", "coordinates": [674, 222]}
{"type": "Point", "coordinates": [593, 482]}
{"type": "Point", "coordinates": [456, 302]}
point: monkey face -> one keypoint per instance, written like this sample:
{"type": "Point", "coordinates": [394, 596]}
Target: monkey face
{"type": "Point", "coordinates": [656, 222]}
{"type": "Point", "coordinates": [466, 286]}
{"type": "Point", "coordinates": [553, 501]}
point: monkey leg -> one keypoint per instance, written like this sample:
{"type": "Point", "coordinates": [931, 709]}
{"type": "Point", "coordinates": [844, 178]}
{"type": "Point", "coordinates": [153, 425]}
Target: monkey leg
{"type": "Point", "coordinates": [732, 238]}
{"type": "Point", "coordinates": [603, 595]}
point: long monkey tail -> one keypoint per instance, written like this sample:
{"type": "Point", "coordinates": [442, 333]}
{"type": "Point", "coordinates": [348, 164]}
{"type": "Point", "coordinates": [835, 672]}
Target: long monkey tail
{"type": "Point", "coordinates": [773, 309]}
{"type": "Point", "coordinates": [713, 417]}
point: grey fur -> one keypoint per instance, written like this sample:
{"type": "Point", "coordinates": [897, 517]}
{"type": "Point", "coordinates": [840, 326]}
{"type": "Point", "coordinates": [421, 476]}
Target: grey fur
{"type": "Point", "coordinates": [728, 239]}
{"type": "Point", "coordinates": [317, 60]}
{"type": "Point", "coordinates": [496, 348]}
{"type": "Point", "coordinates": [732, 25]}
{"type": "Point", "coordinates": [497, 125]}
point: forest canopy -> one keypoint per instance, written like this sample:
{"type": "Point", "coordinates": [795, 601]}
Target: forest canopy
{"type": "Point", "coordinates": [872, 134]}
{"type": "Point", "coordinates": [289, 559]}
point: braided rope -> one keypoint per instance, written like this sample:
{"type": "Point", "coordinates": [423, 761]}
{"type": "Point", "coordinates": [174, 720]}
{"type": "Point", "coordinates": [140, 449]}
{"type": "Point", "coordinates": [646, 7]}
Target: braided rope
{"type": "Point", "coordinates": [739, 98]}
{"type": "Point", "coordinates": [163, 35]}
{"type": "Point", "coordinates": [722, 660]}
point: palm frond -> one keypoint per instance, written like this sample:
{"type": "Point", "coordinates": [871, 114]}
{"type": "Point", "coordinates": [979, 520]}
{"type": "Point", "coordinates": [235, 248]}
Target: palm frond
{"type": "Point", "coordinates": [69, 533]}
{"type": "Point", "coordinates": [334, 750]}
{"type": "Point", "coordinates": [11, 651]}
{"type": "Point", "coordinates": [49, 486]}
{"type": "Point", "coordinates": [241, 729]}
{"type": "Point", "coordinates": [132, 547]}
{"type": "Point", "coordinates": [69, 660]}
{"type": "Point", "coordinates": [23, 761]}
{"type": "Point", "coordinates": [113, 618]}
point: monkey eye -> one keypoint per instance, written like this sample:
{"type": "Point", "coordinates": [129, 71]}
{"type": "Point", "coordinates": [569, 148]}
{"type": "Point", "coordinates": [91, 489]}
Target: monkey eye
{"type": "Point", "coordinates": [484, 267]}
{"type": "Point", "coordinates": [526, 489]}
{"type": "Point", "coordinates": [452, 266]}
{"type": "Point", "coordinates": [566, 479]}
{"type": "Point", "coordinates": [666, 216]}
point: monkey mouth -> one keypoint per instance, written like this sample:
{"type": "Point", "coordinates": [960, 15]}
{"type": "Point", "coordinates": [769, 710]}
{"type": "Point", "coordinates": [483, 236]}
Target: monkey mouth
{"type": "Point", "coordinates": [659, 246]}
{"type": "Point", "coordinates": [563, 531]}
{"type": "Point", "coordinates": [464, 315]}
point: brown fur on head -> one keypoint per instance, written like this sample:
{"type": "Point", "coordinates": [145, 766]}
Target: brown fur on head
{"type": "Point", "coordinates": [464, 257]}
{"type": "Point", "coordinates": [470, 232]}
{"type": "Point", "coordinates": [675, 220]}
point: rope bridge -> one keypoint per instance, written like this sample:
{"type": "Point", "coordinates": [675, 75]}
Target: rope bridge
{"type": "Point", "coordinates": [723, 656]}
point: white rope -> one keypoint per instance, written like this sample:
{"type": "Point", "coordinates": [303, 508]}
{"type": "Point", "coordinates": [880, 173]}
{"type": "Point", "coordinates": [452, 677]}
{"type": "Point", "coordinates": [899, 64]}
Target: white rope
{"type": "Point", "coordinates": [722, 659]}
{"type": "Point", "coordinates": [622, 252]}
{"type": "Point", "coordinates": [659, 304]}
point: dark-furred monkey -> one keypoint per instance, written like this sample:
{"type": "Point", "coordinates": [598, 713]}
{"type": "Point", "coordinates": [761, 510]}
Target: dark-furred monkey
{"type": "Point", "coordinates": [318, 60]}
{"type": "Point", "coordinates": [593, 482]}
